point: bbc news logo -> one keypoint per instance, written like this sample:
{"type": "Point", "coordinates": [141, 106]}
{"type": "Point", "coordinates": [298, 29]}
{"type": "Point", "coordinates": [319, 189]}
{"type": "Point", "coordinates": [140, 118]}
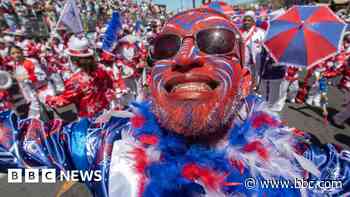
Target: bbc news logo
{"type": "Point", "coordinates": [51, 175]}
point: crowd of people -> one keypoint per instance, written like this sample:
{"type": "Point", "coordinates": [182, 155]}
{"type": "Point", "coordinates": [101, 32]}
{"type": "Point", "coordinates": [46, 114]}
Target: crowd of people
{"type": "Point", "coordinates": [206, 116]}
{"type": "Point", "coordinates": [31, 35]}
{"type": "Point", "coordinates": [49, 62]}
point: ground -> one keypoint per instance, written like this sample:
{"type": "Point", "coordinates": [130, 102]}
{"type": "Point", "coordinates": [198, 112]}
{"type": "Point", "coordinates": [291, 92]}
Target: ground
{"type": "Point", "coordinates": [310, 119]}
{"type": "Point", "coordinates": [300, 116]}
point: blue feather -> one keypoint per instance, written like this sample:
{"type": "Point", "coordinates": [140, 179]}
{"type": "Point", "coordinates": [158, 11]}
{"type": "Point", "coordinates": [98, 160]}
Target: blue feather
{"type": "Point", "coordinates": [111, 35]}
{"type": "Point", "coordinates": [138, 26]}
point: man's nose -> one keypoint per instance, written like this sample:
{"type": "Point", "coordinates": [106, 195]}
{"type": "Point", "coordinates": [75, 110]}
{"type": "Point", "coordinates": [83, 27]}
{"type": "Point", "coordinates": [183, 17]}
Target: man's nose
{"type": "Point", "coordinates": [186, 58]}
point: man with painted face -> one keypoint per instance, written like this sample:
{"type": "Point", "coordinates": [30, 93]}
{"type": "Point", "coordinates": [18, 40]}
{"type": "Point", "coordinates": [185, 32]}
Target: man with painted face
{"type": "Point", "coordinates": [201, 134]}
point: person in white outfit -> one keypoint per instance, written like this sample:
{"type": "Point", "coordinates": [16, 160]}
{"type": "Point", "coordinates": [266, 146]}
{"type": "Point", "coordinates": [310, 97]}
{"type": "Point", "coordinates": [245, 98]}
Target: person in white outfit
{"type": "Point", "coordinates": [253, 37]}
{"type": "Point", "coordinates": [32, 80]}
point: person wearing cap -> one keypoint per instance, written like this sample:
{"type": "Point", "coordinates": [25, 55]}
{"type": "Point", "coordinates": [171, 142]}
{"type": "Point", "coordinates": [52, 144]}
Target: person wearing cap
{"type": "Point", "coordinates": [129, 52]}
{"type": "Point", "coordinates": [125, 65]}
{"type": "Point", "coordinates": [9, 40]}
{"type": "Point", "coordinates": [253, 37]}
{"type": "Point", "coordinates": [90, 88]}
{"type": "Point", "coordinates": [18, 37]}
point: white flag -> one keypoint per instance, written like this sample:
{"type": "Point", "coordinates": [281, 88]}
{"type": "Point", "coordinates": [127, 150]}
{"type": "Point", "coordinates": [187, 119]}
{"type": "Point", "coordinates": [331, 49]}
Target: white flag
{"type": "Point", "coordinates": [71, 18]}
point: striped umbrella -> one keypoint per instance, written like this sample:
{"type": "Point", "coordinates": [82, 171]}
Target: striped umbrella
{"type": "Point", "coordinates": [304, 36]}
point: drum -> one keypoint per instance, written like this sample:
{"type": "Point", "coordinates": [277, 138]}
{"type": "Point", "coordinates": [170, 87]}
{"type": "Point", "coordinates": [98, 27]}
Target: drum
{"type": "Point", "coordinates": [5, 80]}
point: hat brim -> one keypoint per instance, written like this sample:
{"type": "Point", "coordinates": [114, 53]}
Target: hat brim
{"type": "Point", "coordinates": [129, 39]}
{"type": "Point", "coordinates": [89, 53]}
{"type": "Point", "coordinates": [15, 33]}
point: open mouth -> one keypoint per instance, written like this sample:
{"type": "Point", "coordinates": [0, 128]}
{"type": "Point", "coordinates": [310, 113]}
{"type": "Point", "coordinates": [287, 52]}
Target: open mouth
{"type": "Point", "coordinates": [191, 84]}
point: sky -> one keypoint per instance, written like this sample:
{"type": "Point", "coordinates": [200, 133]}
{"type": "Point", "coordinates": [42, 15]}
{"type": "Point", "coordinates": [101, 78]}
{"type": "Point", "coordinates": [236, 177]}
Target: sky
{"type": "Point", "coordinates": [176, 4]}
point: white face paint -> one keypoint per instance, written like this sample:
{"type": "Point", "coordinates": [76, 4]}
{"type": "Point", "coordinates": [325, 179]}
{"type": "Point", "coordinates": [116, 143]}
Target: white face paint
{"type": "Point", "coordinates": [128, 53]}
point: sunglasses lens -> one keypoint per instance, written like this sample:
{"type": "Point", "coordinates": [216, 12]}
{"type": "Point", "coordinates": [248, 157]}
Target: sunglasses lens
{"type": "Point", "coordinates": [216, 41]}
{"type": "Point", "coordinates": [165, 47]}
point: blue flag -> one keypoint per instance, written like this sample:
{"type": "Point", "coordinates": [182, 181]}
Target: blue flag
{"type": "Point", "coordinates": [138, 27]}
{"type": "Point", "coordinates": [111, 34]}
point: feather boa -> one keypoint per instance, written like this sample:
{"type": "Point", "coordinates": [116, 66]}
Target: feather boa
{"type": "Point", "coordinates": [258, 146]}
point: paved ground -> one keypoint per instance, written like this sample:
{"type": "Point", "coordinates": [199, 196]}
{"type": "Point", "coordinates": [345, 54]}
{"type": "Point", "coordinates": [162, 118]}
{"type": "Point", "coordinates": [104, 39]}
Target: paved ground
{"type": "Point", "coordinates": [310, 119]}
{"type": "Point", "coordinates": [300, 116]}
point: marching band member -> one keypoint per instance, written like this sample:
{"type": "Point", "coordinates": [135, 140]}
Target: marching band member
{"type": "Point", "coordinates": [253, 37]}
{"type": "Point", "coordinates": [89, 89]}
{"type": "Point", "coordinates": [291, 82]}
{"type": "Point", "coordinates": [314, 94]}
{"type": "Point", "coordinates": [31, 78]}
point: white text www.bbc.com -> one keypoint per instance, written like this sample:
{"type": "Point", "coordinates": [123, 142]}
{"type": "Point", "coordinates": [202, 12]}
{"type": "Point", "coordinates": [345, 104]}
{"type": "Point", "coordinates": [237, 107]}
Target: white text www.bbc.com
{"type": "Point", "coordinates": [252, 183]}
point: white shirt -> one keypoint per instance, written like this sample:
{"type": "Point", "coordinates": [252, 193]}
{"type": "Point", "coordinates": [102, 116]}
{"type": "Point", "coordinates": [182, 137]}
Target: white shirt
{"type": "Point", "coordinates": [253, 39]}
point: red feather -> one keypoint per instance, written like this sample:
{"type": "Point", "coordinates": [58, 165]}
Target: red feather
{"type": "Point", "coordinates": [263, 153]}
{"type": "Point", "coordinates": [210, 178]}
{"type": "Point", "coordinates": [257, 146]}
{"type": "Point", "coordinates": [298, 132]}
{"type": "Point", "coordinates": [239, 165]}
{"type": "Point", "coordinates": [262, 119]}
{"type": "Point", "coordinates": [141, 161]}
{"type": "Point", "coordinates": [137, 121]}
{"type": "Point", "coordinates": [190, 171]}
{"type": "Point", "coordinates": [230, 184]}
{"type": "Point", "coordinates": [148, 139]}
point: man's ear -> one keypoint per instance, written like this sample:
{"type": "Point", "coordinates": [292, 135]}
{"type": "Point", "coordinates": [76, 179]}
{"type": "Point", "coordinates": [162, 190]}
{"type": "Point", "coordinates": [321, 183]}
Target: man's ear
{"type": "Point", "coordinates": [246, 82]}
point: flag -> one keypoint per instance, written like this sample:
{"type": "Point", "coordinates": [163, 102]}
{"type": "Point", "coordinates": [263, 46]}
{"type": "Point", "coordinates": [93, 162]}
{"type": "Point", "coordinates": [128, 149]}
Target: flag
{"type": "Point", "coordinates": [111, 34]}
{"type": "Point", "coordinates": [144, 77]}
{"type": "Point", "coordinates": [138, 28]}
{"type": "Point", "coordinates": [71, 18]}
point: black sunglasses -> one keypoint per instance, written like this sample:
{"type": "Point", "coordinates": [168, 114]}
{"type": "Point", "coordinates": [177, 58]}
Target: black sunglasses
{"type": "Point", "coordinates": [212, 41]}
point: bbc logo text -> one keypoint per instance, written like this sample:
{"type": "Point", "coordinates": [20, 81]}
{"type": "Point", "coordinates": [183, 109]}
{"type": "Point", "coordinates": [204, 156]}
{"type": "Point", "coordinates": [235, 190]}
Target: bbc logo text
{"type": "Point", "coordinates": [34, 175]}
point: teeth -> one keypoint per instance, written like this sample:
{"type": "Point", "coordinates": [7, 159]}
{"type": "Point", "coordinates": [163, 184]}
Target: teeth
{"type": "Point", "coordinates": [192, 86]}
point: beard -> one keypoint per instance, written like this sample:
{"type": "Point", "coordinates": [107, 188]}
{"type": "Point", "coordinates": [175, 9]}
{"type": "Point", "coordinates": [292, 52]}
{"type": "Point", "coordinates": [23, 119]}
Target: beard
{"type": "Point", "coordinates": [196, 118]}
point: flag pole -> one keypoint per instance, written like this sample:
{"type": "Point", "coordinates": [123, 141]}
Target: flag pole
{"type": "Point", "coordinates": [57, 23]}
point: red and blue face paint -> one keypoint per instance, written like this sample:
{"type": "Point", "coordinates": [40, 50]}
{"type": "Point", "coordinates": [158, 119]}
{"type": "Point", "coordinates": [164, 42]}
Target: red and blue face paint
{"type": "Point", "coordinates": [196, 74]}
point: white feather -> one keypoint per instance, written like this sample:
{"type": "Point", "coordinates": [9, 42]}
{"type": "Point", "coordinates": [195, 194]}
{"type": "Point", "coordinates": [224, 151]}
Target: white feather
{"type": "Point", "coordinates": [307, 165]}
